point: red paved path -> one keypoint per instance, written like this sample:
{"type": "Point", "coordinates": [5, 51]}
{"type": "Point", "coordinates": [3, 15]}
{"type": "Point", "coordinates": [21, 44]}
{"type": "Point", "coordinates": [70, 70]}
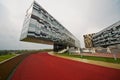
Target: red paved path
{"type": "Point", "coordinates": [42, 66]}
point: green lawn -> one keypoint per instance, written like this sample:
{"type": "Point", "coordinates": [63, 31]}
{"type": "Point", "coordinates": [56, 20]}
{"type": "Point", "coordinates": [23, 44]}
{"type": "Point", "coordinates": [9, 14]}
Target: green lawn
{"type": "Point", "coordinates": [111, 60]}
{"type": "Point", "coordinates": [4, 57]}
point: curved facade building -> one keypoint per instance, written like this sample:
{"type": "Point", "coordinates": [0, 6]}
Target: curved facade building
{"type": "Point", "coordinates": [109, 36]}
{"type": "Point", "coordinates": [40, 27]}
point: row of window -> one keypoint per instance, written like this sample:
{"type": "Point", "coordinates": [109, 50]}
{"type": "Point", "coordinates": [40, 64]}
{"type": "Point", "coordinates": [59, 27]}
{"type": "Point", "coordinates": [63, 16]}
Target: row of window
{"type": "Point", "coordinates": [108, 37]}
{"type": "Point", "coordinates": [40, 24]}
{"type": "Point", "coordinates": [51, 33]}
{"type": "Point", "coordinates": [41, 13]}
{"type": "Point", "coordinates": [47, 27]}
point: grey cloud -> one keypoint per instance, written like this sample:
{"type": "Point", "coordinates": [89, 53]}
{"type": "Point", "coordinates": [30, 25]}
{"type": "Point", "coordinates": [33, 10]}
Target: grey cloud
{"type": "Point", "coordinates": [78, 16]}
{"type": "Point", "coordinates": [10, 31]}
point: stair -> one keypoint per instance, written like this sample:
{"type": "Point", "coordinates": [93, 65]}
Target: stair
{"type": "Point", "coordinates": [62, 51]}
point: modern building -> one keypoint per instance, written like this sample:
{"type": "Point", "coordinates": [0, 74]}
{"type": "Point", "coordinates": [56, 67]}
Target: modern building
{"type": "Point", "coordinates": [109, 36]}
{"type": "Point", "coordinates": [40, 27]}
{"type": "Point", "coordinates": [88, 40]}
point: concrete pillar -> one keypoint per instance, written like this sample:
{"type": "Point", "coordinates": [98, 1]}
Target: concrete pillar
{"type": "Point", "coordinates": [93, 50]}
{"type": "Point", "coordinates": [108, 50]}
{"type": "Point", "coordinates": [78, 50]}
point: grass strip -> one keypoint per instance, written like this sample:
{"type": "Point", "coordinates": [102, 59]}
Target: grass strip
{"type": "Point", "coordinates": [7, 56]}
{"type": "Point", "coordinates": [105, 59]}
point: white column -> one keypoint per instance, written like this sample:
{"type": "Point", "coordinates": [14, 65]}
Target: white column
{"type": "Point", "coordinates": [108, 50]}
{"type": "Point", "coordinates": [93, 50]}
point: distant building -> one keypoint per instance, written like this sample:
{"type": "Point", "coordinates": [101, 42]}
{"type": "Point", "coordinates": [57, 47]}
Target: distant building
{"type": "Point", "coordinates": [40, 27]}
{"type": "Point", "coordinates": [88, 40]}
{"type": "Point", "coordinates": [109, 36]}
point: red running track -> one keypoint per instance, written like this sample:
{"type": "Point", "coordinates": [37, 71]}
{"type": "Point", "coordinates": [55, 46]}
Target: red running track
{"type": "Point", "coordinates": [42, 66]}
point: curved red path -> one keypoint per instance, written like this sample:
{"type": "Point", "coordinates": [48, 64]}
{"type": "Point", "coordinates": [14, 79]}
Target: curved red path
{"type": "Point", "coordinates": [42, 66]}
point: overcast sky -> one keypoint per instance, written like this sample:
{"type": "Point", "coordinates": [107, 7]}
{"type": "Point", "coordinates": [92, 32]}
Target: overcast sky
{"type": "Point", "coordinates": [78, 16]}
